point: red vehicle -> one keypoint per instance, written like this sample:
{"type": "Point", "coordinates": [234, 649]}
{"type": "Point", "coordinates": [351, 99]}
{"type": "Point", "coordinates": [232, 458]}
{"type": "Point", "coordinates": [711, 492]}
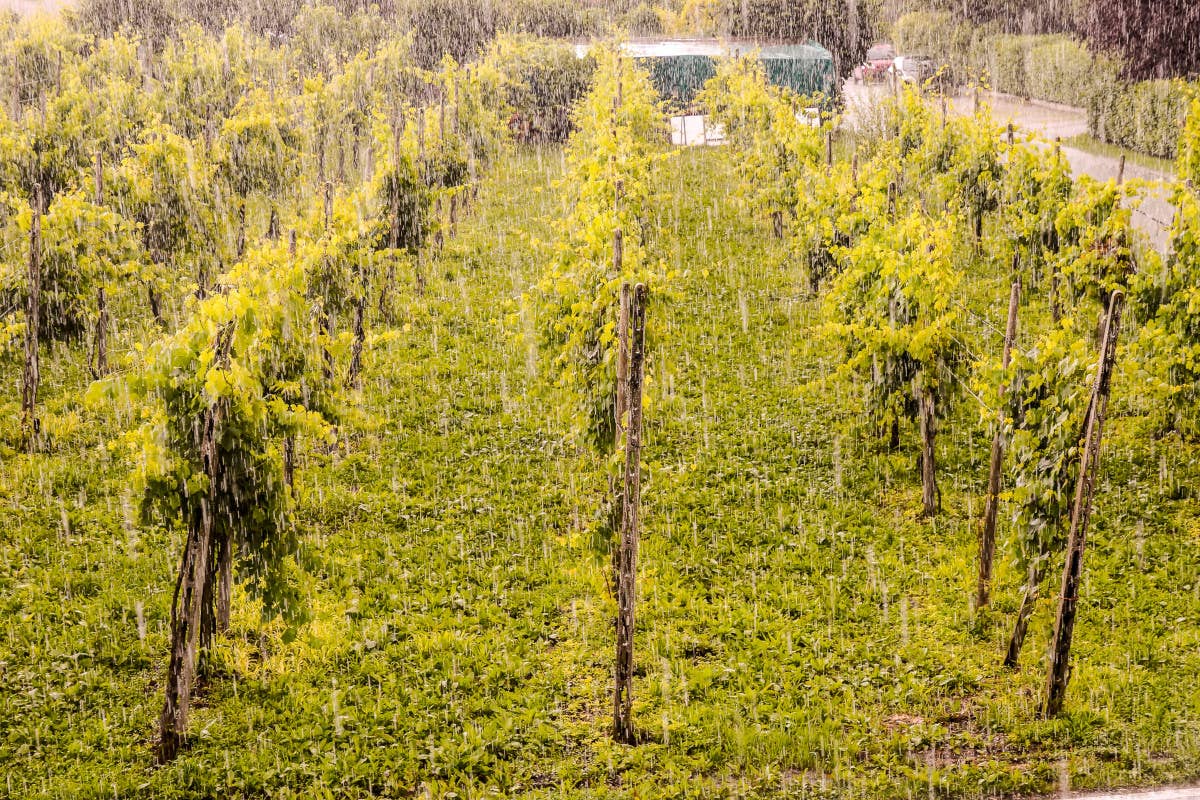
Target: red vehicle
{"type": "Point", "coordinates": [879, 61]}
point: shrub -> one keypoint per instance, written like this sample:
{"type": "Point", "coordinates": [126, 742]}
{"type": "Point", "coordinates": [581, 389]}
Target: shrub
{"type": "Point", "coordinates": [644, 20]}
{"type": "Point", "coordinates": [1144, 116]}
{"type": "Point", "coordinates": [552, 18]}
{"type": "Point", "coordinates": [459, 28]}
{"type": "Point", "coordinates": [542, 80]}
{"type": "Point", "coordinates": [937, 35]}
{"type": "Point", "coordinates": [1063, 70]}
{"type": "Point", "coordinates": [1002, 60]}
{"type": "Point", "coordinates": [1050, 67]}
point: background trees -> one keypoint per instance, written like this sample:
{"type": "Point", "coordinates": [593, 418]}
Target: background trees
{"type": "Point", "coordinates": [1154, 38]}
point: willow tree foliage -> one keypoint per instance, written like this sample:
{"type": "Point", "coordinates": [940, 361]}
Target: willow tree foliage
{"type": "Point", "coordinates": [1154, 39]}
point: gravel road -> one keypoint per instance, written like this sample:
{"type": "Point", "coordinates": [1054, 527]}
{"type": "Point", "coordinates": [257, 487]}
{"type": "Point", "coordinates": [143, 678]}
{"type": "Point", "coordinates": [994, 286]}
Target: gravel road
{"type": "Point", "coordinates": [1152, 217]}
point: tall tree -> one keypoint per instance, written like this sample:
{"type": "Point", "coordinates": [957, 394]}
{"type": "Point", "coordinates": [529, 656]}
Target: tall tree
{"type": "Point", "coordinates": [846, 28]}
{"type": "Point", "coordinates": [1155, 38]}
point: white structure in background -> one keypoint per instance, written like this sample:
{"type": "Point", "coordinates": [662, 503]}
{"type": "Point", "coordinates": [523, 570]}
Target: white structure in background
{"type": "Point", "coordinates": [694, 130]}
{"type": "Point", "coordinates": [680, 67]}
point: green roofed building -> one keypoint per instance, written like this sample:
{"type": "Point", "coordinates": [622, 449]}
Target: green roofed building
{"type": "Point", "coordinates": [679, 68]}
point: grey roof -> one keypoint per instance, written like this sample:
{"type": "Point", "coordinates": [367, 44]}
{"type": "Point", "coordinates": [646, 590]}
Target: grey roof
{"type": "Point", "coordinates": [674, 48]}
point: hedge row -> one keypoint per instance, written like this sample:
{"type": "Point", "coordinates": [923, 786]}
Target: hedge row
{"type": "Point", "coordinates": [1144, 117]}
{"type": "Point", "coordinates": [1055, 68]}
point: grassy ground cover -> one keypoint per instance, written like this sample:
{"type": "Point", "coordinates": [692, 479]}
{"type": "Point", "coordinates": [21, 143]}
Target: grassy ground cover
{"type": "Point", "coordinates": [803, 632]}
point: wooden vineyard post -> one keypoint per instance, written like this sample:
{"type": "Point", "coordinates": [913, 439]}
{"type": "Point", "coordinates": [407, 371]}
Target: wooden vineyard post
{"type": "Point", "coordinates": [623, 730]}
{"type": "Point", "coordinates": [1059, 673]}
{"type": "Point", "coordinates": [944, 111]}
{"type": "Point", "coordinates": [360, 337]}
{"type": "Point", "coordinates": [1010, 134]}
{"type": "Point", "coordinates": [619, 395]}
{"type": "Point", "coordinates": [777, 223]}
{"type": "Point", "coordinates": [619, 408]}
{"type": "Point", "coordinates": [829, 149]}
{"type": "Point", "coordinates": [1055, 306]}
{"type": "Point", "coordinates": [15, 99]}
{"type": "Point", "coordinates": [328, 204]}
{"type": "Point", "coordinates": [30, 376]}
{"type": "Point", "coordinates": [100, 345]}
{"type": "Point", "coordinates": [224, 576]}
{"type": "Point", "coordinates": [927, 422]}
{"type": "Point", "coordinates": [1121, 171]}
{"type": "Point", "coordinates": [622, 354]}
{"type": "Point", "coordinates": [987, 539]}
{"type": "Point", "coordinates": [325, 320]}
{"type": "Point", "coordinates": [454, 118]}
{"type": "Point", "coordinates": [421, 138]}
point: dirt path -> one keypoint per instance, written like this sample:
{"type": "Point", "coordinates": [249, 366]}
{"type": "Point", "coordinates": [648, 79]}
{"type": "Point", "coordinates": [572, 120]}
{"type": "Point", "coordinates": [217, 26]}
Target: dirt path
{"type": "Point", "coordinates": [1152, 217]}
{"type": "Point", "coordinates": [1158, 794]}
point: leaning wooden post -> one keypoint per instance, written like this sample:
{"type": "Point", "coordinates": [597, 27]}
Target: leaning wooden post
{"type": "Point", "coordinates": [987, 539]}
{"type": "Point", "coordinates": [31, 375]}
{"type": "Point", "coordinates": [1010, 134]}
{"type": "Point", "coordinates": [1121, 171]}
{"type": "Point", "coordinates": [1059, 672]}
{"type": "Point", "coordinates": [623, 730]}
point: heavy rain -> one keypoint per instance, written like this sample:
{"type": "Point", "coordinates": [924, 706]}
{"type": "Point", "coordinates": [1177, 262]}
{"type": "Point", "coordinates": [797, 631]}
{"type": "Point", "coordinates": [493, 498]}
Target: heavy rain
{"type": "Point", "coordinates": [600, 399]}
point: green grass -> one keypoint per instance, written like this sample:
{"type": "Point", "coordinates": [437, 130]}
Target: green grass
{"type": "Point", "coordinates": [802, 632]}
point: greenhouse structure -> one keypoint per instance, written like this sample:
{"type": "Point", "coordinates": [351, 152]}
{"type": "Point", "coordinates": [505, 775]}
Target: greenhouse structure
{"type": "Point", "coordinates": [680, 67]}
